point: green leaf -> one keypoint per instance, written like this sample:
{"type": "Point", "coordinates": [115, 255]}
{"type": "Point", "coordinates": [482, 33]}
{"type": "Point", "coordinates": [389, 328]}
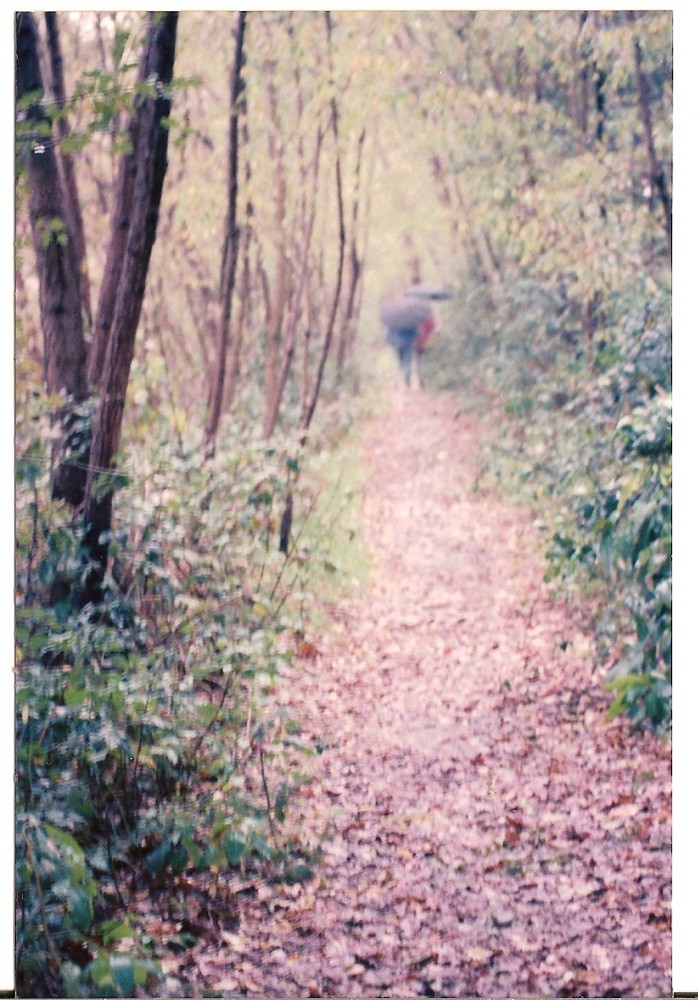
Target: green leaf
{"type": "Point", "coordinates": [159, 857]}
{"type": "Point", "coordinates": [234, 849]}
{"type": "Point", "coordinates": [101, 975]}
{"type": "Point", "coordinates": [260, 845]}
{"type": "Point", "coordinates": [74, 696]}
{"type": "Point", "coordinates": [80, 908]}
{"type": "Point", "coordinates": [114, 930]}
{"type": "Point", "coordinates": [122, 971]}
{"type": "Point", "coordinates": [298, 873]}
{"type": "Point", "coordinates": [66, 840]}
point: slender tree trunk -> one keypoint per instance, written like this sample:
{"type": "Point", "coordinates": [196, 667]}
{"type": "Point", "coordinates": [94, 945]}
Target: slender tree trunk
{"type": "Point", "coordinates": [349, 317]}
{"type": "Point", "coordinates": [656, 170]}
{"type": "Point", "coordinates": [580, 81]}
{"type": "Point", "coordinates": [458, 220]}
{"type": "Point", "coordinates": [108, 66]}
{"type": "Point", "coordinates": [58, 268]}
{"type": "Point", "coordinates": [121, 224]}
{"type": "Point", "coordinates": [301, 230]}
{"type": "Point", "coordinates": [362, 253]}
{"type": "Point", "coordinates": [231, 242]}
{"type": "Point", "coordinates": [73, 209]}
{"type": "Point", "coordinates": [276, 314]}
{"type": "Point", "coordinates": [142, 194]}
{"type": "Point", "coordinates": [296, 307]}
{"type": "Point", "coordinates": [243, 286]}
{"type": "Point", "coordinates": [600, 76]}
{"type": "Point", "coordinates": [309, 409]}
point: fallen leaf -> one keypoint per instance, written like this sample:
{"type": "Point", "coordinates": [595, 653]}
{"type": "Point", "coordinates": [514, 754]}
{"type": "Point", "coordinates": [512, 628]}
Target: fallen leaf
{"type": "Point", "coordinates": [477, 955]}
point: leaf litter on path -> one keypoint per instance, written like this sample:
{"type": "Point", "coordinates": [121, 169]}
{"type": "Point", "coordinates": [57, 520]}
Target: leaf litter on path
{"type": "Point", "coordinates": [484, 830]}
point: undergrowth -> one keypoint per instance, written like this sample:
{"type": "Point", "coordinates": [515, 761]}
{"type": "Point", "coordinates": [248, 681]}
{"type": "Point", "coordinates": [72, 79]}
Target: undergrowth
{"type": "Point", "coordinates": [583, 433]}
{"type": "Point", "coordinates": [150, 748]}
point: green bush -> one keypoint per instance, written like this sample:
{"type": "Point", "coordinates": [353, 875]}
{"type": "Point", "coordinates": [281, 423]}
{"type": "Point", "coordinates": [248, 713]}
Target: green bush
{"type": "Point", "coordinates": [143, 723]}
{"type": "Point", "coordinates": [584, 431]}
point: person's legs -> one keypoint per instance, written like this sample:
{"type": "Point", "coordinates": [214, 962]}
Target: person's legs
{"type": "Point", "coordinates": [406, 353]}
{"type": "Point", "coordinates": [405, 358]}
{"type": "Point", "coordinates": [403, 341]}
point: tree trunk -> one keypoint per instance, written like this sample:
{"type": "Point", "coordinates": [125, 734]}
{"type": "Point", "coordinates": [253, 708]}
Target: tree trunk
{"type": "Point", "coordinates": [70, 184]}
{"type": "Point", "coordinates": [58, 268]}
{"type": "Point", "coordinates": [231, 242]}
{"type": "Point", "coordinates": [600, 76]}
{"type": "Point", "coordinates": [309, 409]}
{"type": "Point", "coordinates": [296, 307]}
{"type": "Point", "coordinates": [301, 230]}
{"type": "Point", "coordinates": [142, 177]}
{"type": "Point", "coordinates": [122, 220]}
{"type": "Point", "coordinates": [656, 170]}
{"type": "Point", "coordinates": [580, 80]}
{"type": "Point", "coordinates": [350, 310]}
{"type": "Point", "coordinates": [275, 315]}
{"type": "Point", "coordinates": [243, 286]}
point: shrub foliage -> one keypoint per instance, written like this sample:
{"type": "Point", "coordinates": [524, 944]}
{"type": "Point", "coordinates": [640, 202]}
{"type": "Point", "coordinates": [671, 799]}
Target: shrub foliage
{"type": "Point", "coordinates": [148, 743]}
{"type": "Point", "coordinates": [584, 430]}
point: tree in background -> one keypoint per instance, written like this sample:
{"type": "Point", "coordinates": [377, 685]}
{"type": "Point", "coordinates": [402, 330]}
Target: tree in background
{"type": "Point", "coordinates": [231, 244]}
{"type": "Point", "coordinates": [311, 402]}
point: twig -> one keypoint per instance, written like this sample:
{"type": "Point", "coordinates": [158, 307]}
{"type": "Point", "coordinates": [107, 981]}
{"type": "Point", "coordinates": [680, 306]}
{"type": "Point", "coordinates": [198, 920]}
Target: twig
{"type": "Point", "coordinates": [272, 825]}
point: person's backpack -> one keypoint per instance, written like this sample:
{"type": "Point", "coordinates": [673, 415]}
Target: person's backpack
{"type": "Point", "coordinates": [426, 328]}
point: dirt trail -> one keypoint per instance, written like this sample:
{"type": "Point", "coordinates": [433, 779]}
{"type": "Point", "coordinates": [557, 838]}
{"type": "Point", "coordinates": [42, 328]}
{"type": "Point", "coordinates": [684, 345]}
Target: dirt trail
{"type": "Point", "coordinates": [492, 834]}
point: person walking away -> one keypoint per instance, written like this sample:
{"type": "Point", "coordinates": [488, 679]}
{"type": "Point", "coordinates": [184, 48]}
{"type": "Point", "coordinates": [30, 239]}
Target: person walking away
{"type": "Point", "coordinates": [402, 319]}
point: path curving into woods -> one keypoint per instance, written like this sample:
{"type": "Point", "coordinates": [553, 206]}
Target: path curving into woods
{"type": "Point", "coordinates": [489, 833]}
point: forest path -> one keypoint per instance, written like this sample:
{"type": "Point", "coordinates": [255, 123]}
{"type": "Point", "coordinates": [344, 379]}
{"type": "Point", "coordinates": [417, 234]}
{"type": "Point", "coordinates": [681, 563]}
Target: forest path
{"type": "Point", "coordinates": [491, 834]}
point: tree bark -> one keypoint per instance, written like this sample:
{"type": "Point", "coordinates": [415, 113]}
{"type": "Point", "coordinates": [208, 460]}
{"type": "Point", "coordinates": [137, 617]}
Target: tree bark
{"type": "Point", "coordinates": [243, 286]}
{"type": "Point", "coordinates": [656, 170]}
{"type": "Point", "coordinates": [580, 80]}
{"type": "Point", "coordinates": [296, 307]}
{"type": "Point", "coordinates": [275, 314]}
{"type": "Point", "coordinates": [74, 212]}
{"type": "Point", "coordinates": [142, 177]}
{"type": "Point", "coordinates": [122, 219]}
{"type": "Point", "coordinates": [231, 243]}
{"type": "Point", "coordinates": [350, 310]}
{"type": "Point", "coordinates": [309, 409]}
{"type": "Point", "coordinates": [58, 268]}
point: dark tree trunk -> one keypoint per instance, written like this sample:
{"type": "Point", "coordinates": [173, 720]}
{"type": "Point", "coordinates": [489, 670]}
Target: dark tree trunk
{"type": "Point", "coordinates": [122, 218]}
{"type": "Point", "coordinates": [278, 297]}
{"type": "Point", "coordinates": [243, 286]}
{"type": "Point", "coordinates": [350, 310]}
{"type": "Point", "coordinates": [231, 243]}
{"type": "Point", "coordinates": [58, 268]}
{"type": "Point", "coordinates": [582, 79]}
{"type": "Point", "coordinates": [74, 212]}
{"type": "Point", "coordinates": [133, 231]}
{"type": "Point", "coordinates": [309, 408]}
{"type": "Point", "coordinates": [600, 101]}
{"type": "Point", "coordinates": [657, 175]}
{"type": "Point", "coordinates": [302, 253]}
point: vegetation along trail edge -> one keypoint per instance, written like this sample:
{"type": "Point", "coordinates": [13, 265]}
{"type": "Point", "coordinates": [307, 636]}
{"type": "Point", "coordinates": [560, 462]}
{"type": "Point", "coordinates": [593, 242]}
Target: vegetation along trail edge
{"type": "Point", "coordinates": [490, 833]}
